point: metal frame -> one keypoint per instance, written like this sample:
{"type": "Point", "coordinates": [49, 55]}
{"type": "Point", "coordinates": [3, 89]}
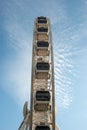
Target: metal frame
{"type": "Point", "coordinates": [45, 117]}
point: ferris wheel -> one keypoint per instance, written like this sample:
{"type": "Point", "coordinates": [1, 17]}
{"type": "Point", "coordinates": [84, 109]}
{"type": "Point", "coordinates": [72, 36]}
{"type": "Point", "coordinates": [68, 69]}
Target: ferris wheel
{"type": "Point", "coordinates": [42, 105]}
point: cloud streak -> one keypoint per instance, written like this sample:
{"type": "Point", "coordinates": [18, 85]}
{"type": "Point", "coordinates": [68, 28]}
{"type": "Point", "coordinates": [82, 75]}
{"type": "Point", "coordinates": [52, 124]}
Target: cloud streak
{"type": "Point", "coordinates": [18, 26]}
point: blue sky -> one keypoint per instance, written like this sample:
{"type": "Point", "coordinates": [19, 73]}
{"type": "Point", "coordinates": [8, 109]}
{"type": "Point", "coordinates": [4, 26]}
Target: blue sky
{"type": "Point", "coordinates": [69, 29]}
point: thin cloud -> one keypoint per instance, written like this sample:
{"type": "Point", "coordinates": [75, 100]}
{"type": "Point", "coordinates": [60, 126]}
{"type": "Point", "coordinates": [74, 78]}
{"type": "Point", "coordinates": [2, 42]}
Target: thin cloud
{"type": "Point", "coordinates": [18, 25]}
{"type": "Point", "coordinates": [66, 49]}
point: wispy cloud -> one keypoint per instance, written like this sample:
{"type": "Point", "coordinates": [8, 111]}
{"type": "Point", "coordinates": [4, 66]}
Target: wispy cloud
{"type": "Point", "coordinates": [68, 47]}
{"type": "Point", "coordinates": [18, 24]}
{"type": "Point", "coordinates": [17, 76]}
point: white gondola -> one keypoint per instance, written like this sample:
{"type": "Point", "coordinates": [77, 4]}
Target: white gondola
{"type": "Point", "coordinates": [42, 96]}
{"type": "Point", "coordinates": [42, 67]}
{"type": "Point", "coordinates": [42, 44]}
{"type": "Point", "coordinates": [42, 127]}
{"type": "Point", "coordinates": [42, 101]}
{"type": "Point", "coordinates": [42, 29]}
{"type": "Point", "coordinates": [42, 20]}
